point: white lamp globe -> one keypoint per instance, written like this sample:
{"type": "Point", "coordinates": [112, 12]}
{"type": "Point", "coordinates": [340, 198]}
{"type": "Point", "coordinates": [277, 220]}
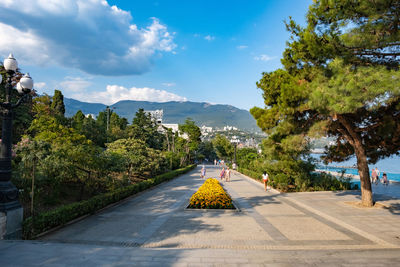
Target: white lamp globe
{"type": "Point", "coordinates": [10, 63]}
{"type": "Point", "coordinates": [26, 83]}
{"type": "Point", "coordinates": [19, 88]}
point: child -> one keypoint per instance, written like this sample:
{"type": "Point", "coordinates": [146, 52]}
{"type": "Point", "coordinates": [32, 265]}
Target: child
{"type": "Point", "coordinates": [222, 174]}
{"type": "Point", "coordinates": [203, 172]}
{"type": "Point", "coordinates": [385, 180]}
{"type": "Point", "coordinates": [265, 179]}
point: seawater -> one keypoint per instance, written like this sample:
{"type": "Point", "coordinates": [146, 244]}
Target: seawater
{"type": "Point", "coordinates": [389, 165]}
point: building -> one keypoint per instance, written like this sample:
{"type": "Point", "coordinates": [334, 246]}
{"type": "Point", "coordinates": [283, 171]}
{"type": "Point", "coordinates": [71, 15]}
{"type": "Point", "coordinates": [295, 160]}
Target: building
{"type": "Point", "coordinates": [205, 130]}
{"type": "Point", "coordinates": [230, 128]}
{"type": "Point", "coordinates": [156, 115]}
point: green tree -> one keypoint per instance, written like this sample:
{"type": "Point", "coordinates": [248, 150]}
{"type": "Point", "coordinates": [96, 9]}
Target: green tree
{"type": "Point", "coordinates": [206, 148]}
{"type": "Point", "coordinates": [340, 79]}
{"type": "Point", "coordinates": [141, 160]}
{"type": "Point", "coordinates": [223, 147]}
{"type": "Point", "coordinates": [144, 128]}
{"type": "Point", "coordinates": [78, 120]}
{"type": "Point", "coordinates": [57, 104]}
{"type": "Point", "coordinates": [191, 140]}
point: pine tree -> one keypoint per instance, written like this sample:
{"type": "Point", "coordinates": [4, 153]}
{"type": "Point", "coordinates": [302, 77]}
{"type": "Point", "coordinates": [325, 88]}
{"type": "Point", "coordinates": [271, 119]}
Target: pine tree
{"type": "Point", "coordinates": [340, 79]}
{"type": "Point", "coordinates": [57, 104]}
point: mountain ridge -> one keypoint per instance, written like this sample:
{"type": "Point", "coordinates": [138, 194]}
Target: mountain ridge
{"type": "Point", "coordinates": [203, 113]}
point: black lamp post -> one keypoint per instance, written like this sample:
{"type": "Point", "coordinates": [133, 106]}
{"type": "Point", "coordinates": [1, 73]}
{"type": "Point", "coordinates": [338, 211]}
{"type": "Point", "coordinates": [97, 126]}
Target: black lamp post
{"type": "Point", "coordinates": [9, 204]}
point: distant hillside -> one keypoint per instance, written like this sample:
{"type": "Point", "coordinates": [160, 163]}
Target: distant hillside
{"type": "Point", "coordinates": [174, 112]}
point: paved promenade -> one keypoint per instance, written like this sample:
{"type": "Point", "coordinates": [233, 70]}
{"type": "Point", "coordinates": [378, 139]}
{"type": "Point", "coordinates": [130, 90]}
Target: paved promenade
{"type": "Point", "coordinates": [271, 229]}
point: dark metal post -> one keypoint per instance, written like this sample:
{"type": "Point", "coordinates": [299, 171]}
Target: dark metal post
{"type": "Point", "coordinates": [235, 144]}
{"type": "Point", "coordinates": [8, 192]}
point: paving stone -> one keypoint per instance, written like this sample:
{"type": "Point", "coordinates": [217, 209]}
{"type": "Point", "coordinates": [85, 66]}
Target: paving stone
{"type": "Point", "coordinates": [272, 229]}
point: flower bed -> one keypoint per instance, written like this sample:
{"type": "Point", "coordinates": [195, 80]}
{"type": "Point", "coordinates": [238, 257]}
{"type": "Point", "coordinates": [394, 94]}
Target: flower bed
{"type": "Point", "coordinates": [211, 195]}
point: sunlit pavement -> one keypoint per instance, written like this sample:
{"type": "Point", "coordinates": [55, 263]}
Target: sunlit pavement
{"type": "Point", "coordinates": [155, 229]}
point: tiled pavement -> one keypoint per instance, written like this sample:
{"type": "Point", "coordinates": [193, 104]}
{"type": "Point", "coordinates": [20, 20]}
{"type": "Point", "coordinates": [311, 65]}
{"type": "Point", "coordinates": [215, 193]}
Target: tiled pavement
{"type": "Point", "coordinates": [297, 229]}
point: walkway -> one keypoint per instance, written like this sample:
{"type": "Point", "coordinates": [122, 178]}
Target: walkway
{"type": "Point", "coordinates": [154, 229]}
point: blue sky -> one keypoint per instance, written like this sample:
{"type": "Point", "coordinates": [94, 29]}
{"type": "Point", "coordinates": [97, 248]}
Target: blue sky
{"type": "Point", "coordinates": [105, 51]}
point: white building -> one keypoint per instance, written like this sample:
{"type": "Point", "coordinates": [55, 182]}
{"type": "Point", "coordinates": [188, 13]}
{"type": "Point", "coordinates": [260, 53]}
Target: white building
{"type": "Point", "coordinates": [174, 127]}
{"type": "Point", "coordinates": [156, 115]}
{"type": "Point", "coordinates": [230, 128]}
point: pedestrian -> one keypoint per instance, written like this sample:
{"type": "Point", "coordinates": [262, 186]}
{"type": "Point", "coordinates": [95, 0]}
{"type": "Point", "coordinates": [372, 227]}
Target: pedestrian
{"type": "Point", "coordinates": [265, 179]}
{"type": "Point", "coordinates": [377, 175]}
{"type": "Point", "coordinates": [215, 162]}
{"type": "Point", "coordinates": [222, 174]}
{"type": "Point", "coordinates": [385, 180]}
{"type": "Point", "coordinates": [203, 172]}
{"type": "Point", "coordinates": [228, 174]}
{"type": "Point", "coordinates": [234, 166]}
{"type": "Point", "coordinates": [373, 175]}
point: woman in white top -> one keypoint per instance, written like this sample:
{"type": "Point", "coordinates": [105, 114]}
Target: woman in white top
{"type": "Point", "coordinates": [265, 179]}
{"type": "Point", "coordinates": [228, 174]}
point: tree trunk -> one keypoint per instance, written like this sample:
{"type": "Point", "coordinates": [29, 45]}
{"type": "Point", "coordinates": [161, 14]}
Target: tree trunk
{"type": "Point", "coordinates": [355, 140]}
{"type": "Point", "coordinates": [363, 171]}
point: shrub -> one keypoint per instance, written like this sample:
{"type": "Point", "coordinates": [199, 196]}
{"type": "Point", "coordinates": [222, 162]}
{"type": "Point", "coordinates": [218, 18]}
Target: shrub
{"type": "Point", "coordinates": [211, 195]}
{"type": "Point", "coordinates": [62, 215]}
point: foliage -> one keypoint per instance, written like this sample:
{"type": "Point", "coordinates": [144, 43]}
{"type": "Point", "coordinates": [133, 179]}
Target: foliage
{"type": "Point", "coordinates": [313, 182]}
{"type": "Point", "coordinates": [57, 104]}
{"type": "Point", "coordinates": [63, 214]}
{"type": "Point", "coordinates": [207, 151]}
{"type": "Point", "coordinates": [223, 147]}
{"type": "Point", "coordinates": [244, 156]}
{"type": "Point", "coordinates": [211, 195]}
{"type": "Point", "coordinates": [145, 128]}
{"type": "Point", "coordinates": [340, 79]}
{"type": "Point", "coordinates": [140, 160]}
{"type": "Point", "coordinates": [189, 144]}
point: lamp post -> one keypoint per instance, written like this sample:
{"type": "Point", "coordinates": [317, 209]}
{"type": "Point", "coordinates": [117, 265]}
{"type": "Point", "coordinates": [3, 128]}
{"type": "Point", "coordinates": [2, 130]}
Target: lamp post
{"type": "Point", "coordinates": [235, 141]}
{"type": "Point", "coordinates": [10, 208]}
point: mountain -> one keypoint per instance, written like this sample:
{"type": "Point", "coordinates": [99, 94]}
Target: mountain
{"type": "Point", "coordinates": [174, 112]}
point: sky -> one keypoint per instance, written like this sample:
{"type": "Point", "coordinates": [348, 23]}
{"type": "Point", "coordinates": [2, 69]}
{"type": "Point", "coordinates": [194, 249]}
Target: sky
{"type": "Point", "coordinates": [166, 50]}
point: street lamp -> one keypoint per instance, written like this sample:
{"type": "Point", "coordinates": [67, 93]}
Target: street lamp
{"type": "Point", "coordinates": [10, 208]}
{"type": "Point", "coordinates": [235, 141]}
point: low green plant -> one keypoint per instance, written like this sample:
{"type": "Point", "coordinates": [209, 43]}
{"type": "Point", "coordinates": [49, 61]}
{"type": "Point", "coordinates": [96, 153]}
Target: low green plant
{"type": "Point", "coordinates": [64, 214]}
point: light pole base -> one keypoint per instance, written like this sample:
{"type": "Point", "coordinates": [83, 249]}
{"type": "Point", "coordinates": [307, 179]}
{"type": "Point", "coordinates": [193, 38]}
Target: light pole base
{"type": "Point", "coordinates": [11, 224]}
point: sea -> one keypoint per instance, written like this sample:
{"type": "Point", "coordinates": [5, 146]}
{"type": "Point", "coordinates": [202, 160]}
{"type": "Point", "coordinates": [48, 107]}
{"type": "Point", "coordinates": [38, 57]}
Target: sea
{"type": "Point", "coordinates": [391, 166]}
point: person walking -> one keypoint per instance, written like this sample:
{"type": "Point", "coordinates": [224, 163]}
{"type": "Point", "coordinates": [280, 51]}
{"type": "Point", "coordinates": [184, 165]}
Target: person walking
{"type": "Point", "coordinates": [228, 174]}
{"type": "Point", "coordinates": [215, 162]}
{"type": "Point", "coordinates": [265, 179]}
{"type": "Point", "coordinates": [222, 174]}
{"type": "Point", "coordinates": [373, 175]}
{"type": "Point", "coordinates": [377, 175]}
{"type": "Point", "coordinates": [385, 180]}
{"type": "Point", "coordinates": [203, 172]}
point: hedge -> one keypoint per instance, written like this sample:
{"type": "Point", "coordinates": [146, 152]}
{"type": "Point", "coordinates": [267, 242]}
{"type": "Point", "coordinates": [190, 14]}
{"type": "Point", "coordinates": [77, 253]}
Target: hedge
{"type": "Point", "coordinates": [251, 174]}
{"type": "Point", "coordinates": [66, 213]}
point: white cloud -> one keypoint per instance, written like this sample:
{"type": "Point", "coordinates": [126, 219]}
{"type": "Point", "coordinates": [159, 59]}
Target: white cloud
{"type": "Point", "coordinates": [264, 58]}
{"type": "Point", "coordinates": [74, 84]}
{"type": "Point", "coordinates": [40, 85]}
{"type": "Point", "coordinates": [241, 47]}
{"type": "Point", "coordinates": [89, 35]}
{"type": "Point", "coordinates": [209, 38]}
{"type": "Point", "coordinates": [169, 84]}
{"type": "Point", "coordinates": [115, 93]}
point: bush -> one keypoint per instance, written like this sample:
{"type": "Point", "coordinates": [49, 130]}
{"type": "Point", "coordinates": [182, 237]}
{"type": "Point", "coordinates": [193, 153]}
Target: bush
{"type": "Point", "coordinates": [211, 195]}
{"type": "Point", "coordinates": [62, 215]}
